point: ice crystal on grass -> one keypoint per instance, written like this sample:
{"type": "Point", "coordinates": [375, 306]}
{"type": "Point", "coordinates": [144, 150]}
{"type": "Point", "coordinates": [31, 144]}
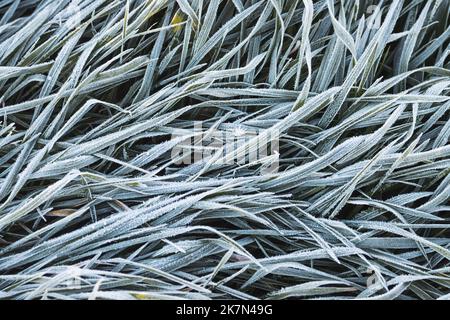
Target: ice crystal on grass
{"type": "Point", "coordinates": [349, 200]}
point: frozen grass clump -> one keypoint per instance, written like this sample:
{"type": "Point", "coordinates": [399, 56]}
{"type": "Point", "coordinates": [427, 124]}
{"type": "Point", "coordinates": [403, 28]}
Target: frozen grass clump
{"type": "Point", "coordinates": [95, 96]}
